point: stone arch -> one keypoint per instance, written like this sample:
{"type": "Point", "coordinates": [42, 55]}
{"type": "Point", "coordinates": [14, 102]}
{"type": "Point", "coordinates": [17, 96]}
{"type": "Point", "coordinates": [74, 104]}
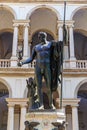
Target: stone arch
{"type": "Point", "coordinates": [40, 17]}
{"type": "Point", "coordinates": [6, 7]}
{"type": "Point", "coordinates": [80, 32]}
{"type": "Point", "coordinates": [46, 7]}
{"type": "Point", "coordinates": [77, 9]}
{"type": "Point", "coordinates": [78, 86]}
{"type": "Point", "coordinates": [83, 32]}
{"type": "Point", "coordinates": [7, 85]}
{"type": "Point", "coordinates": [6, 30]}
{"type": "Point", "coordinates": [44, 30]}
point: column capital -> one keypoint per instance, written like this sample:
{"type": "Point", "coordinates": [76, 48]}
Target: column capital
{"type": "Point", "coordinates": [67, 23]}
{"type": "Point", "coordinates": [10, 104]}
{"type": "Point", "coordinates": [70, 23]}
{"type": "Point", "coordinates": [23, 105]}
{"type": "Point", "coordinates": [59, 23]}
{"type": "Point", "coordinates": [26, 25]}
{"type": "Point", "coordinates": [17, 101]}
{"type": "Point", "coordinates": [21, 22]}
{"type": "Point", "coordinates": [73, 102]}
{"type": "Point", "coordinates": [15, 24]}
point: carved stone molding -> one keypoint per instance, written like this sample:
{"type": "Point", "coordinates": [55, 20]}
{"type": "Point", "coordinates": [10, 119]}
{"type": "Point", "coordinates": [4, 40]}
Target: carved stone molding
{"type": "Point", "coordinates": [47, 1]}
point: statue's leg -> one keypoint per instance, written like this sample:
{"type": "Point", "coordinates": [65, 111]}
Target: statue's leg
{"type": "Point", "coordinates": [47, 76]}
{"type": "Point", "coordinates": [38, 79]}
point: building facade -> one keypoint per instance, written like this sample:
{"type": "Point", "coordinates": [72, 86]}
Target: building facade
{"type": "Point", "coordinates": [20, 22]}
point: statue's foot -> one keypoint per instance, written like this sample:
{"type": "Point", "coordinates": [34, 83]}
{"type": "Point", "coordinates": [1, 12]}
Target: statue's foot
{"type": "Point", "coordinates": [52, 106]}
{"type": "Point", "coordinates": [41, 107]}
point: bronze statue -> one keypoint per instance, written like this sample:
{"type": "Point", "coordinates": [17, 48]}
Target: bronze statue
{"type": "Point", "coordinates": [48, 64]}
{"type": "Point", "coordinates": [33, 97]}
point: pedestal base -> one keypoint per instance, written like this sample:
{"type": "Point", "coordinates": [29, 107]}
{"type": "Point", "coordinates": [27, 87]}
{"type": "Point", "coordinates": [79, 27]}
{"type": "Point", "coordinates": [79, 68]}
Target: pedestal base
{"type": "Point", "coordinates": [46, 120]}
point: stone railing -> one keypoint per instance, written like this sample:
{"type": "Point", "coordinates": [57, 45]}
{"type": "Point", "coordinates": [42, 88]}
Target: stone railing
{"type": "Point", "coordinates": [81, 64]}
{"type": "Point", "coordinates": [75, 64]}
{"type": "Point", "coordinates": [32, 65]}
{"type": "Point", "coordinates": [4, 63]}
{"type": "Point", "coordinates": [68, 64]}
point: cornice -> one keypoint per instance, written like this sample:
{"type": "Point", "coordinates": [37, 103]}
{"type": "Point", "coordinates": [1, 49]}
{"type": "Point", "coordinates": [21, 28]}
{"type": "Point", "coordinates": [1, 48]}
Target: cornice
{"type": "Point", "coordinates": [27, 72]}
{"type": "Point", "coordinates": [17, 101]}
{"type": "Point", "coordinates": [70, 101]}
{"type": "Point", "coordinates": [12, 72]}
{"type": "Point", "coordinates": [75, 72]}
{"type": "Point", "coordinates": [45, 1]}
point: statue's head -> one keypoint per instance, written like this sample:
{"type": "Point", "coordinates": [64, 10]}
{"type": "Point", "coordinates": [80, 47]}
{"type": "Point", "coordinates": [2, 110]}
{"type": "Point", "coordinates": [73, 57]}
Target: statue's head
{"type": "Point", "coordinates": [42, 36]}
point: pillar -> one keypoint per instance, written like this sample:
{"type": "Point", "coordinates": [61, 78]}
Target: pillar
{"type": "Point", "coordinates": [75, 125]}
{"type": "Point", "coordinates": [22, 118]}
{"type": "Point", "coordinates": [60, 30]}
{"type": "Point", "coordinates": [10, 125]}
{"type": "Point", "coordinates": [26, 25]}
{"type": "Point", "coordinates": [65, 48]}
{"type": "Point", "coordinates": [29, 54]}
{"type": "Point", "coordinates": [71, 41]}
{"type": "Point", "coordinates": [15, 40]}
{"type": "Point", "coordinates": [64, 111]}
{"type": "Point", "coordinates": [14, 47]}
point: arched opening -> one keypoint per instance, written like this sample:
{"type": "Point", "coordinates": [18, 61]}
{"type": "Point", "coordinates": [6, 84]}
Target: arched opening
{"type": "Point", "coordinates": [6, 35]}
{"type": "Point", "coordinates": [3, 106]}
{"type": "Point", "coordinates": [82, 110]}
{"type": "Point", "coordinates": [43, 19]}
{"type": "Point", "coordinates": [80, 46]}
{"type": "Point", "coordinates": [80, 38]}
{"type": "Point", "coordinates": [6, 39]}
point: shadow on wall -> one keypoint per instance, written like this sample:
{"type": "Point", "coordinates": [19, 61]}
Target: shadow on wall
{"type": "Point", "coordinates": [6, 45]}
{"type": "Point", "coordinates": [80, 46]}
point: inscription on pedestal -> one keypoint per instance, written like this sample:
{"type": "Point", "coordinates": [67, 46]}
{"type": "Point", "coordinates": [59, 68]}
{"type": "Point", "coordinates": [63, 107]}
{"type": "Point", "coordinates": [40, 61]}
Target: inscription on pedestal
{"type": "Point", "coordinates": [45, 120]}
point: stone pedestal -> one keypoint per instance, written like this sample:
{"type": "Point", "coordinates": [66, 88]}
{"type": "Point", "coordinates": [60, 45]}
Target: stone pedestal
{"type": "Point", "coordinates": [46, 120]}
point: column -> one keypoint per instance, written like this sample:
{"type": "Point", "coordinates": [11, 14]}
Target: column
{"type": "Point", "coordinates": [14, 47]}
{"type": "Point", "coordinates": [65, 49]}
{"type": "Point", "coordinates": [10, 125]}
{"type": "Point", "coordinates": [22, 118]}
{"type": "Point", "coordinates": [71, 41]}
{"type": "Point", "coordinates": [60, 30]}
{"type": "Point", "coordinates": [26, 40]}
{"type": "Point", "coordinates": [64, 111]}
{"type": "Point", "coordinates": [75, 125]}
{"type": "Point", "coordinates": [15, 41]}
{"type": "Point", "coordinates": [29, 53]}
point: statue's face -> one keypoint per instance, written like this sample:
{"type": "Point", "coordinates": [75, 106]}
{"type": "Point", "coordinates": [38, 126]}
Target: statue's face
{"type": "Point", "coordinates": [41, 37]}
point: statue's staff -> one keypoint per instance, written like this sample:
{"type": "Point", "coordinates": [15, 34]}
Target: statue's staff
{"type": "Point", "coordinates": [64, 43]}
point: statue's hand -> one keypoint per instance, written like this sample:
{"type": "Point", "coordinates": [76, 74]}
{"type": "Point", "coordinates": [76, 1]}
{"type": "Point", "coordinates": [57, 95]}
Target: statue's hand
{"type": "Point", "coordinates": [20, 64]}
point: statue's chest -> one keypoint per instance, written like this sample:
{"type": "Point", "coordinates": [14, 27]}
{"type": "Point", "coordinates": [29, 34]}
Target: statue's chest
{"type": "Point", "coordinates": [43, 48]}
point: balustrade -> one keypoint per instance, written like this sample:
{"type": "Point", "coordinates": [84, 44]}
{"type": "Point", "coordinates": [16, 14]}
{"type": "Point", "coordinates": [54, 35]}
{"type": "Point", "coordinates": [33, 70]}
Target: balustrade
{"type": "Point", "coordinates": [80, 64]}
{"type": "Point", "coordinates": [5, 63]}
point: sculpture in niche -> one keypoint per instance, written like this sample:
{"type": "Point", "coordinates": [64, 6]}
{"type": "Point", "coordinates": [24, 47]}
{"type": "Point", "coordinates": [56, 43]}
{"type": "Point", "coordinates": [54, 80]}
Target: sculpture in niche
{"type": "Point", "coordinates": [48, 66]}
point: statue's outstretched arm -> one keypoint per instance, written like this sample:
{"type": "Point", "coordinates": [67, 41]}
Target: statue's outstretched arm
{"type": "Point", "coordinates": [29, 60]}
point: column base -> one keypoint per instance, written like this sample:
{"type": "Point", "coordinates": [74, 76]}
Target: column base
{"type": "Point", "coordinates": [14, 61]}
{"type": "Point", "coordinates": [72, 62]}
